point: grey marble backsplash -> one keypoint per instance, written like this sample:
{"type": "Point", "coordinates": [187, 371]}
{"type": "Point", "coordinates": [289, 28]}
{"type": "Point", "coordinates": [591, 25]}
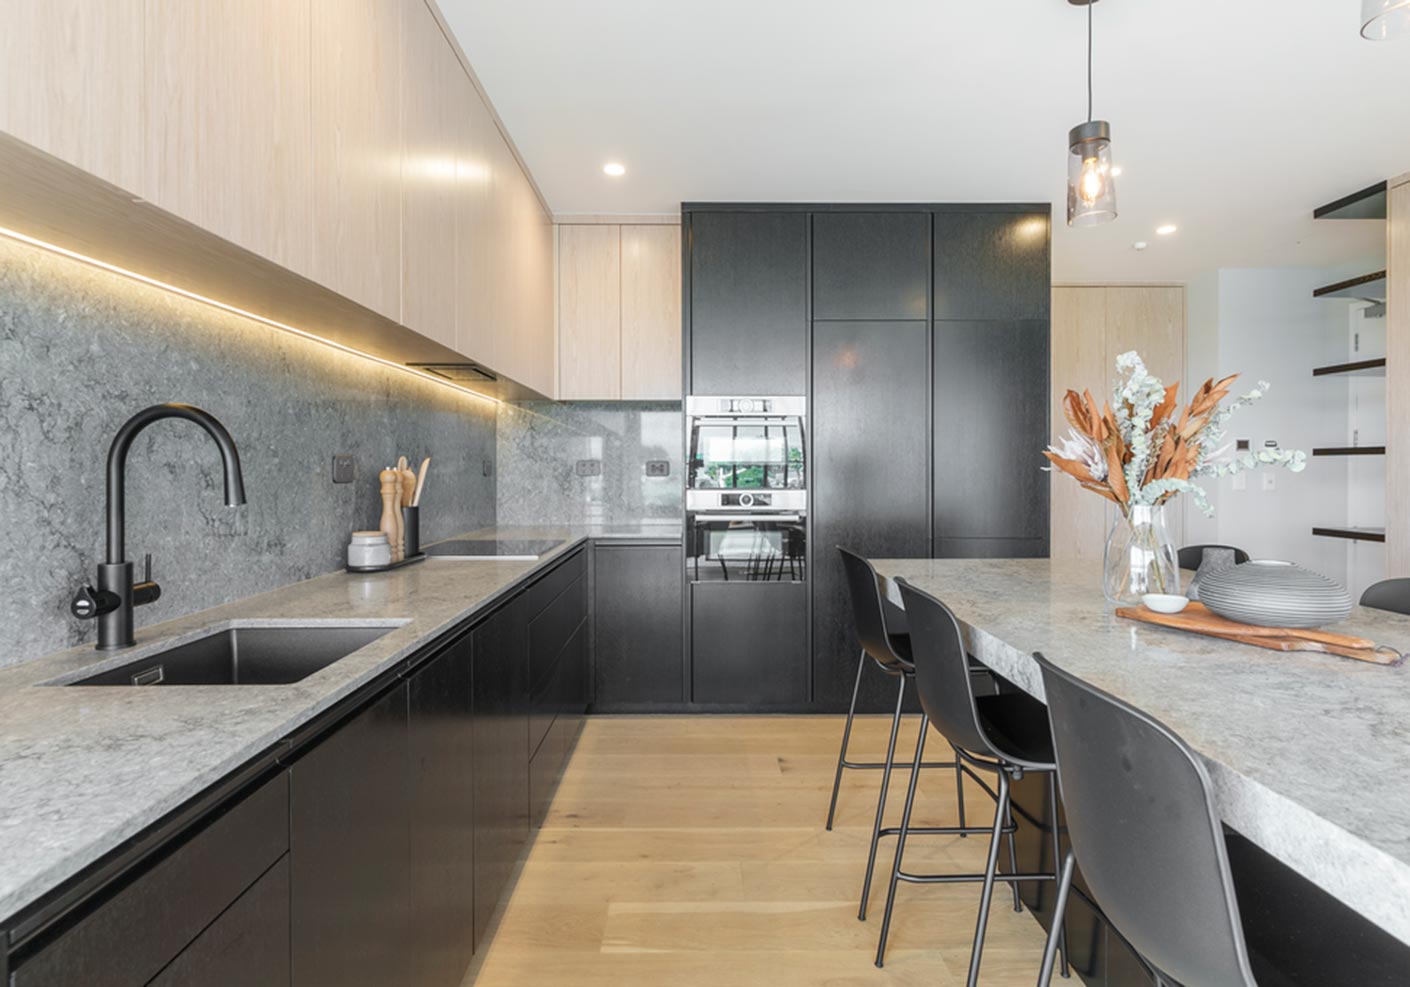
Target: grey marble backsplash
{"type": "Point", "coordinates": [542, 442]}
{"type": "Point", "coordinates": [81, 350]}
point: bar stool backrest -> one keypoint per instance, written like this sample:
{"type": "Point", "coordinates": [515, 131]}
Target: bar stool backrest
{"type": "Point", "coordinates": [1388, 594]}
{"type": "Point", "coordinates": [1191, 556]}
{"type": "Point", "coordinates": [867, 612]}
{"type": "Point", "coordinates": [1144, 831]}
{"type": "Point", "coordinates": [942, 671]}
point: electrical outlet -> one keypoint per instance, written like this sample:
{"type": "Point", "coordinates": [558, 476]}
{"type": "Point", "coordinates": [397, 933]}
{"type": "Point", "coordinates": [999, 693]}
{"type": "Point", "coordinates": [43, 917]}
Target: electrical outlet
{"type": "Point", "coordinates": [1270, 480]}
{"type": "Point", "coordinates": [342, 469]}
{"type": "Point", "coordinates": [588, 467]}
{"type": "Point", "coordinates": [658, 467]}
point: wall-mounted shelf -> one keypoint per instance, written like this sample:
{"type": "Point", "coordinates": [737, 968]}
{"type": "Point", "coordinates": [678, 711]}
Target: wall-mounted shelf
{"type": "Point", "coordinates": [1350, 451]}
{"type": "Point", "coordinates": [1352, 534]}
{"type": "Point", "coordinates": [1361, 368]}
{"type": "Point", "coordinates": [1367, 288]}
{"type": "Point", "coordinates": [1369, 203]}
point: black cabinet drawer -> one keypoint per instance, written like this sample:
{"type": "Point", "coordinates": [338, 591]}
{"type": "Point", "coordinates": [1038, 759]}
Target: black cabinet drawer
{"type": "Point", "coordinates": [248, 946]}
{"type": "Point", "coordinates": [553, 628]}
{"type": "Point", "coordinates": [565, 690]}
{"type": "Point", "coordinates": [552, 584]}
{"type": "Point", "coordinates": [129, 938]}
{"type": "Point", "coordinates": [637, 624]}
{"type": "Point", "coordinates": [749, 643]}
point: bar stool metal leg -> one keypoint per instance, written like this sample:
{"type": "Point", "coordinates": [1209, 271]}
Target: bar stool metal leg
{"type": "Point", "coordinates": [1013, 862]}
{"type": "Point", "coordinates": [1057, 934]}
{"type": "Point", "coordinates": [1057, 855]}
{"type": "Point", "coordinates": [846, 736]}
{"type": "Point", "coordinates": [881, 799]}
{"type": "Point", "coordinates": [901, 838]}
{"type": "Point", "coordinates": [959, 790]}
{"type": "Point", "coordinates": [1001, 812]}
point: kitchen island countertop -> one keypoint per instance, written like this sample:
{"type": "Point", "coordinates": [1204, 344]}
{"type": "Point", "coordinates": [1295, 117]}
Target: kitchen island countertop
{"type": "Point", "coordinates": [1305, 750]}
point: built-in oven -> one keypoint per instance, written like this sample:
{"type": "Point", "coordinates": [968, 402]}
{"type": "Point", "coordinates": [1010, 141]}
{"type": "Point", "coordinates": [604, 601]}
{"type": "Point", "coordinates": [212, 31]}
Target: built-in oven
{"type": "Point", "coordinates": [746, 489]}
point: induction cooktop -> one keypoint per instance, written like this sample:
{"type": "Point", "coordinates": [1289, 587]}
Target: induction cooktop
{"type": "Point", "coordinates": [509, 549]}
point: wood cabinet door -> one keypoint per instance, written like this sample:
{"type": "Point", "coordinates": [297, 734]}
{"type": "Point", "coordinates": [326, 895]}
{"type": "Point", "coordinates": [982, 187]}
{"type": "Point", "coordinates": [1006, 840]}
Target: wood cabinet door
{"type": "Point", "coordinates": [991, 426]}
{"type": "Point", "coordinates": [348, 839]}
{"type": "Point", "coordinates": [871, 265]}
{"type": "Point", "coordinates": [871, 481]}
{"type": "Point", "coordinates": [474, 246]}
{"type": "Point", "coordinates": [71, 83]}
{"type": "Point", "coordinates": [749, 303]}
{"type": "Point", "coordinates": [440, 776]}
{"type": "Point", "coordinates": [991, 265]}
{"type": "Point", "coordinates": [429, 90]}
{"type": "Point", "coordinates": [226, 89]}
{"type": "Point", "coordinates": [637, 624]}
{"type": "Point", "coordinates": [651, 313]}
{"type": "Point", "coordinates": [589, 313]}
{"type": "Point", "coordinates": [356, 140]}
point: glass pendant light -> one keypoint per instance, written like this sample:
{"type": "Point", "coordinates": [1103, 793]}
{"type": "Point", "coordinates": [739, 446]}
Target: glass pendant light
{"type": "Point", "coordinates": [1091, 187]}
{"type": "Point", "coordinates": [1382, 20]}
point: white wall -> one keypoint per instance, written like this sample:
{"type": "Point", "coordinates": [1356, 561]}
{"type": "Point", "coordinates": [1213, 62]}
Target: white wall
{"type": "Point", "coordinates": [1264, 324]}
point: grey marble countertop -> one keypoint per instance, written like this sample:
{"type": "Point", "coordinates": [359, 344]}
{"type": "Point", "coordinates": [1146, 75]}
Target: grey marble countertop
{"type": "Point", "coordinates": [82, 769]}
{"type": "Point", "coordinates": [1305, 750]}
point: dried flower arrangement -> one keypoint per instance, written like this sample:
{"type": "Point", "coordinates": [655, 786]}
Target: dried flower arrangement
{"type": "Point", "coordinates": [1141, 454]}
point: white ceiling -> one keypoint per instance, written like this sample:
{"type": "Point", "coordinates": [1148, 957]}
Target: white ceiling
{"type": "Point", "coordinates": [1231, 118]}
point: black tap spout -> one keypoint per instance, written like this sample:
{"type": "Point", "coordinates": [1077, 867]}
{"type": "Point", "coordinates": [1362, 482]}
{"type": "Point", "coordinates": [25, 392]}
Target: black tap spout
{"type": "Point", "coordinates": [117, 466]}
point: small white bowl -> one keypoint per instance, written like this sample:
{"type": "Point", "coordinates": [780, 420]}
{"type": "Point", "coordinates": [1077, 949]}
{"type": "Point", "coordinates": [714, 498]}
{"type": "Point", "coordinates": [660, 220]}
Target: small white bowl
{"type": "Point", "coordinates": [1165, 602]}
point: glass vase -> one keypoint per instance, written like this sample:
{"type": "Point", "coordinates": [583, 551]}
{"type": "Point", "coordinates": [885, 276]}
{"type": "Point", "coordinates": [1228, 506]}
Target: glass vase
{"type": "Point", "coordinates": [1139, 557]}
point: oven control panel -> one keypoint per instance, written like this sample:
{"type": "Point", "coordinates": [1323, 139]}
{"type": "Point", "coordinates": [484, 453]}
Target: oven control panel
{"type": "Point", "coordinates": [747, 498]}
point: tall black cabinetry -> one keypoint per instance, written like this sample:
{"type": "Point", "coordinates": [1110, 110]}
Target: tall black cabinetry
{"type": "Point", "coordinates": [925, 359]}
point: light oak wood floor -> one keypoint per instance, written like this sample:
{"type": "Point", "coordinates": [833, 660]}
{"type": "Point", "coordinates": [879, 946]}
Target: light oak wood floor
{"type": "Point", "coordinates": [691, 851]}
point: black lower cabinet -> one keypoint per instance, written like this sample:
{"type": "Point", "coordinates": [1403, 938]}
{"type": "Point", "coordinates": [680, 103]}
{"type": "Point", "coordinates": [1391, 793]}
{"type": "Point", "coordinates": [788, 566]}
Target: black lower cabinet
{"type": "Point", "coordinates": [348, 832]}
{"type": "Point", "coordinates": [749, 643]}
{"type": "Point", "coordinates": [152, 918]}
{"type": "Point", "coordinates": [248, 946]}
{"type": "Point", "coordinates": [500, 762]}
{"type": "Point", "coordinates": [639, 659]}
{"type": "Point", "coordinates": [440, 777]}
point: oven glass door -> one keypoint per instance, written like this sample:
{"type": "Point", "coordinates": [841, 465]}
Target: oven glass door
{"type": "Point", "coordinates": [754, 454]}
{"type": "Point", "coordinates": [746, 548]}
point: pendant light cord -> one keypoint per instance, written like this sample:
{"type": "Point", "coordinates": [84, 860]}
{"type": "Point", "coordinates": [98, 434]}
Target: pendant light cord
{"type": "Point", "coordinates": [1090, 3]}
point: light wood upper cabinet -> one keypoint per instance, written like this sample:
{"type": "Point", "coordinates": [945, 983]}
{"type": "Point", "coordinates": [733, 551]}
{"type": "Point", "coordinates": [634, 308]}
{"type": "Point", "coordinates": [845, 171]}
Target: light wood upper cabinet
{"type": "Point", "coordinates": [589, 312]}
{"type": "Point", "coordinates": [651, 312]}
{"type": "Point", "coordinates": [356, 79]}
{"type": "Point", "coordinates": [1091, 326]}
{"type": "Point", "coordinates": [71, 83]}
{"type": "Point", "coordinates": [226, 85]}
{"type": "Point", "coordinates": [619, 312]}
{"type": "Point", "coordinates": [430, 89]}
{"type": "Point", "coordinates": [474, 246]}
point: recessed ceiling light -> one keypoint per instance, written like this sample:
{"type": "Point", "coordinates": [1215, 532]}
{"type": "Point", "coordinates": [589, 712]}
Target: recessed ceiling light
{"type": "Point", "coordinates": [615, 169]}
{"type": "Point", "coordinates": [1116, 171]}
{"type": "Point", "coordinates": [1167, 229]}
{"type": "Point", "coordinates": [1139, 245]}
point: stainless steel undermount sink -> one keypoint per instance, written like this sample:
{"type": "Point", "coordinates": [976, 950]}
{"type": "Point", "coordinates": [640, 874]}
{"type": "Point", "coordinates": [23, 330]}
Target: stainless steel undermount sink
{"type": "Point", "coordinates": [243, 656]}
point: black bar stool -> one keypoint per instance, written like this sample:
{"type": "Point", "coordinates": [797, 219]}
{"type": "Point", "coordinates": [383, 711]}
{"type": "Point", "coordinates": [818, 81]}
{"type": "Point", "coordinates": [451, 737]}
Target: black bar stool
{"type": "Point", "coordinates": [1161, 876]}
{"type": "Point", "coordinates": [1388, 594]}
{"type": "Point", "coordinates": [1191, 556]}
{"type": "Point", "coordinates": [1007, 734]}
{"type": "Point", "coordinates": [889, 649]}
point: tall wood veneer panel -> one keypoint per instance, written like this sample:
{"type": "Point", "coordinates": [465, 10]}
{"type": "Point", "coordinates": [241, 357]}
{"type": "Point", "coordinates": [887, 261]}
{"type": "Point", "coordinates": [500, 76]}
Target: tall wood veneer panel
{"type": "Point", "coordinates": [474, 129]}
{"type": "Point", "coordinates": [651, 313]}
{"type": "Point", "coordinates": [71, 83]}
{"type": "Point", "coordinates": [357, 150]}
{"type": "Point", "coordinates": [1092, 325]}
{"type": "Point", "coordinates": [1078, 356]}
{"type": "Point", "coordinates": [1398, 379]}
{"type": "Point", "coordinates": [429, 90]}
{"type": "Point", "coordinates": [228, 146]}
{"type": "Point", "coordinates": [590, 312]}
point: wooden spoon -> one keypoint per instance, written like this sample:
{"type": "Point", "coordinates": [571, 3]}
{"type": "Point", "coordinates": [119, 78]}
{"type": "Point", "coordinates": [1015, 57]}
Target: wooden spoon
{"type": "Point", "coordinates": [420, 482]}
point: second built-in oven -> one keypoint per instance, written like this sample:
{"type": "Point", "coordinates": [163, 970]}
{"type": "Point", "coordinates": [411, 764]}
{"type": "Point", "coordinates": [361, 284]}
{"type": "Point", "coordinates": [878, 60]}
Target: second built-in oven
{"type": "Point", "coordinates": [746, 489]}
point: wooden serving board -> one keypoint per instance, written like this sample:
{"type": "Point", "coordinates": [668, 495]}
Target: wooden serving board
{"type": "Point", "coordinates": [1197, 619]}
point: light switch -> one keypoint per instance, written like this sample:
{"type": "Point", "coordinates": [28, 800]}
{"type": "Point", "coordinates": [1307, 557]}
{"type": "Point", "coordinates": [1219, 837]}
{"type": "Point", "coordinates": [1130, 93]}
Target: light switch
{"type": "Point", "coordinates": [342, 469]}
{"type": "Point", "coordinates": [1240, 481]}
{"type": "Point", "coordinates": [1270, 480]}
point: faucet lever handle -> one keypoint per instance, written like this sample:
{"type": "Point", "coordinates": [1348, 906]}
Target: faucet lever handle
{"type": "Point", "coordinates": [88, 603]}
{"type": "Point", "coordinates": [147, 568]}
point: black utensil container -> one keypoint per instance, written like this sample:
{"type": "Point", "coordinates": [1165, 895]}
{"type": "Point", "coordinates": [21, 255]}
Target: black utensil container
{"type": "Point", "coordinates": [411, 530]}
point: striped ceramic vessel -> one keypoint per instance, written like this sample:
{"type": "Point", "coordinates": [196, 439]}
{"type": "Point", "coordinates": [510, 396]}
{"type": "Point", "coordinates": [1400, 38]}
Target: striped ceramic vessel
{"type": "Point", "coordinates": [1274, 594]}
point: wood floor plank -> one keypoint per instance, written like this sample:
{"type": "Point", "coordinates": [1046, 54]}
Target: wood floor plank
{"type": "Point", "coordinates": [690, 851]}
